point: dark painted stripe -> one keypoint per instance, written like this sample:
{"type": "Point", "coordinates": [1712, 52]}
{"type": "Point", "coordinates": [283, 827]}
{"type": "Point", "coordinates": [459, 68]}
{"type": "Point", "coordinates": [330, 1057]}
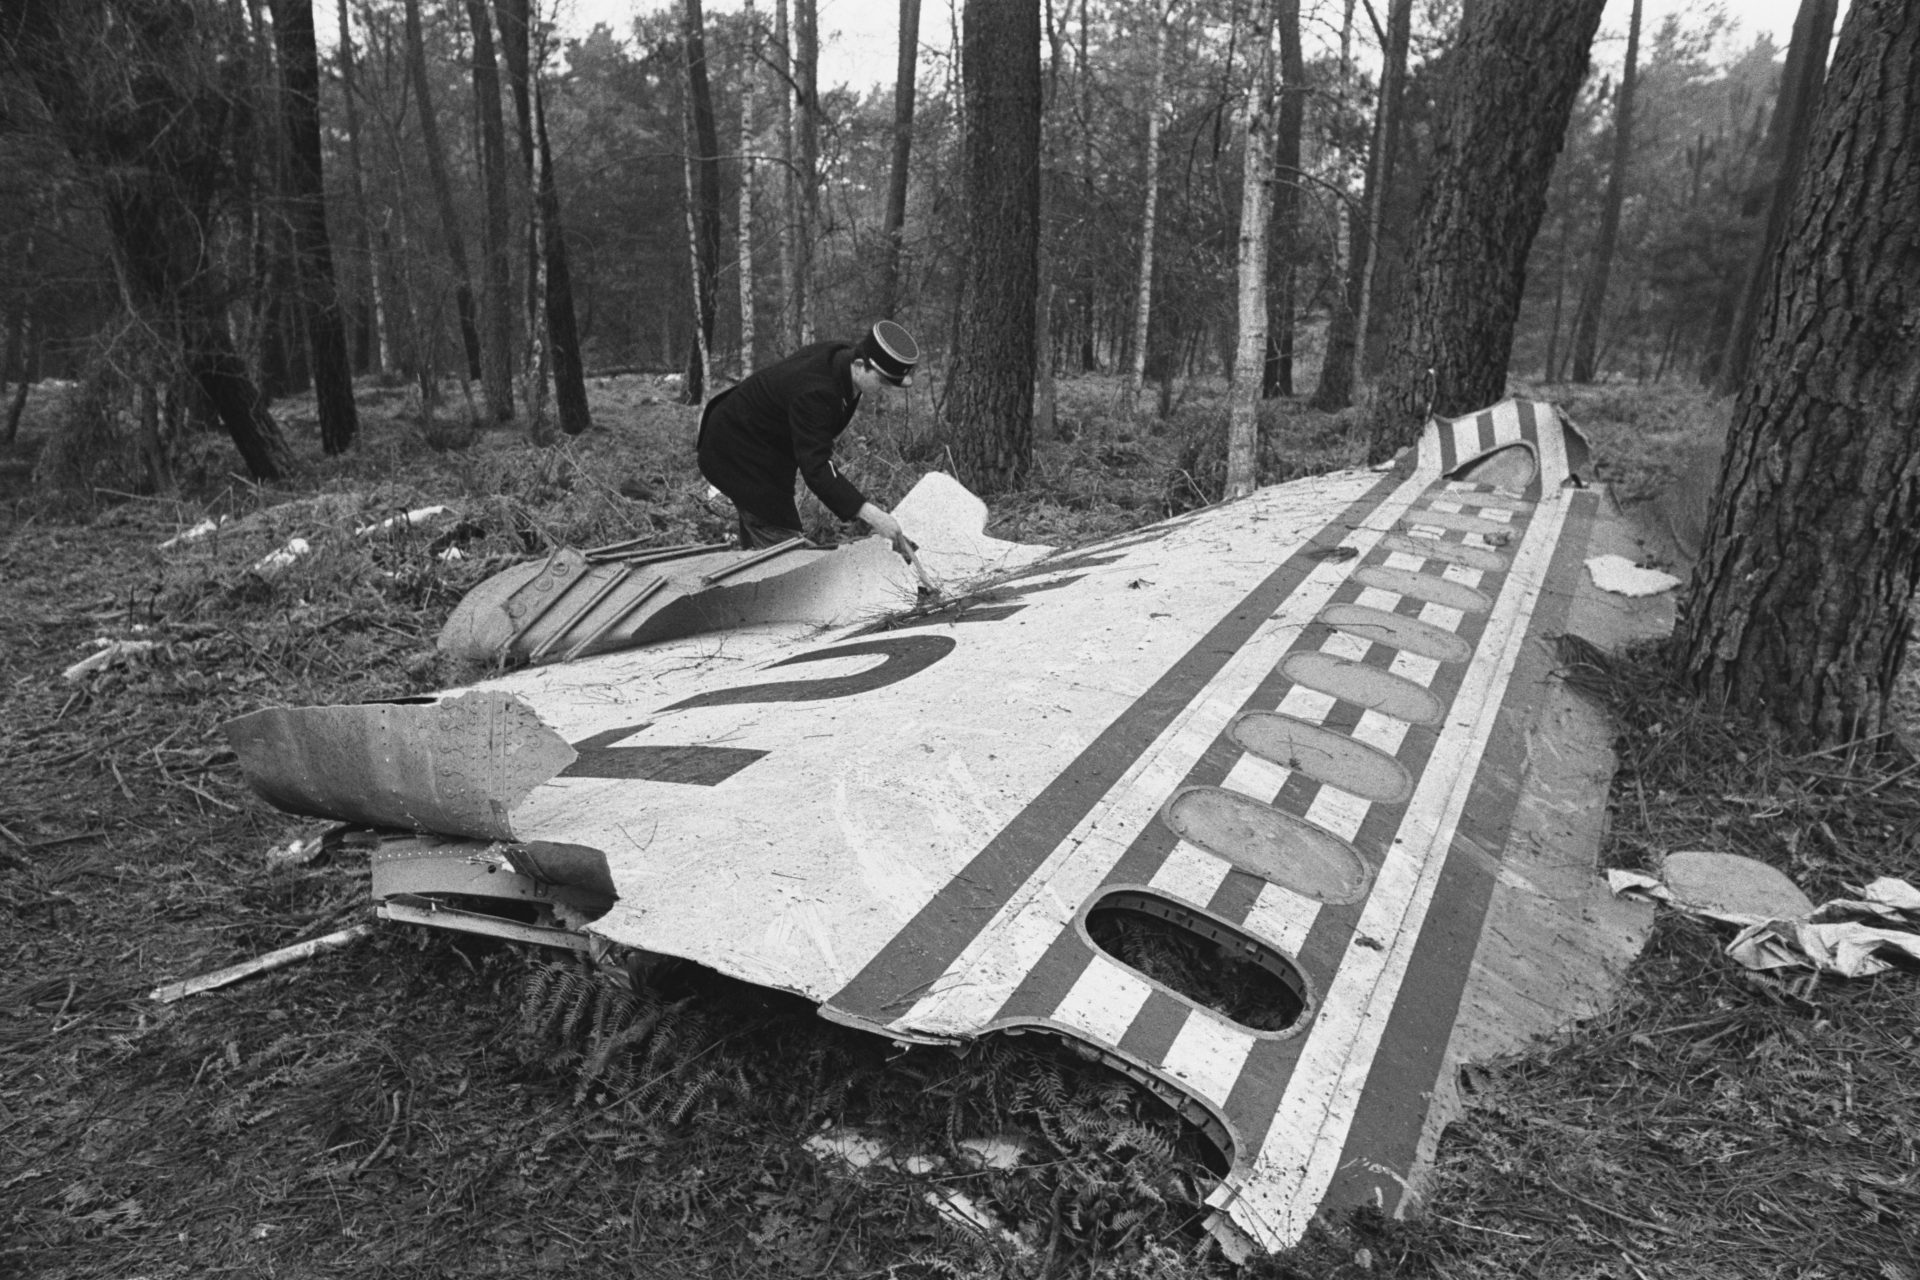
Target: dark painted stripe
{"type": "Point", "coordinates": [1048, 982]}
{"type": "Point", "coordinates": [903, 969]}
{"type": "Point", "coordinates": [1155, 1028]}
{"type": "Point", "coordinates": [1530, 432]}
{"type": "Point", "coordinates": [1394, 1102]}
{"type": "Point", "coordinates": [1489, 440]}
{"type": "Point", "coordinates": [697, 766]}
{"type": "Point", "coordinates": [1236, 896]}
{"type": "Point", "coordinates": [1449, 456]}
{"type": "Point", "coordinates": [1327, 940]}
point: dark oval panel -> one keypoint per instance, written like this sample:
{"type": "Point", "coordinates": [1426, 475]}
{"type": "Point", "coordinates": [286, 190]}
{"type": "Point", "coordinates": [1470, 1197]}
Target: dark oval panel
{"type": "Point", "coordinates": [1398, 630]}
{"type": "Point", "coordinates": [1367, 686]}
{"type": "Point", "coordinates": [1485, 559]}
{"type": "Point", "coordinates": [1423, 586]}
{"type": "Point", "coordinates": [1262, 841]}
{"type": "Point", "coordinates": [1323, 754]}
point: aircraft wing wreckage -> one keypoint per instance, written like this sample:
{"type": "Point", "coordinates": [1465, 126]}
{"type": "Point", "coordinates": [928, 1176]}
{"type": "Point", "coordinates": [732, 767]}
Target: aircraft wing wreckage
{"type": "Point", "coordinates": [1314, 729]}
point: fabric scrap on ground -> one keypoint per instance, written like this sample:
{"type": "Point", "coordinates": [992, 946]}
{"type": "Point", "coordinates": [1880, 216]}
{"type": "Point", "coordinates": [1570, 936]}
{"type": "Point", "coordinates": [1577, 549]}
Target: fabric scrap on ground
{"type": "Point", "coordinates": [1831, 937]}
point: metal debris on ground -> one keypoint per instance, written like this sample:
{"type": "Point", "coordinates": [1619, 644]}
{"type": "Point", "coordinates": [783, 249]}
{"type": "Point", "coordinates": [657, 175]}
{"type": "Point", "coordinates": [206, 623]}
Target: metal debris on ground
{"type": "Point", "coordinates": [260, 964]}
{"type": "Point", "coordinates": [1780, 927]}
{"type": "Point", "coordinates": [111, 653]}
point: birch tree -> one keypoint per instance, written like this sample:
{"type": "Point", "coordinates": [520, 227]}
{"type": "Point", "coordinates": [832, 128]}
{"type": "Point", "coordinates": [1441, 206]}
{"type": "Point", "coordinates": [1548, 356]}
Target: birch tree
{"type": "Point", "coordinates": [1157, 17]}
{"type": "Point", "coordinates": [1256, 205]}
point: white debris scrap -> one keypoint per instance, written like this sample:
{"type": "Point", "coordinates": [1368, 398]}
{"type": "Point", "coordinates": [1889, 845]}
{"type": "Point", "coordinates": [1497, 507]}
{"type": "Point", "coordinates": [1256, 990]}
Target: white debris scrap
{"type": "Point", "coordinates": [1783, 929]}
{"type": "Point", "coordinates": [194, 534]}
{"type": "Point", "coordinates": [1625, 578]}
{"type": "Point", "coordinates": [274, 561]}
{"type": "Point", "coordinates": [110, 653]}
{"type": "Point", "coordinates": [859, 1151]}
{"type": "Point", "coordinates": [419, 515]}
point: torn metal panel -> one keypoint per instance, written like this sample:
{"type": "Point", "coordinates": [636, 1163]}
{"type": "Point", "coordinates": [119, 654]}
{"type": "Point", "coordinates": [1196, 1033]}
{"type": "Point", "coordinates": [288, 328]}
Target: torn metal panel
{"type": "Point", "coordinates": [1296, 725]}
{"type": "Point", "coordinates": [574, 604]}
{"type": "Point", "coordinates": [457, 766]}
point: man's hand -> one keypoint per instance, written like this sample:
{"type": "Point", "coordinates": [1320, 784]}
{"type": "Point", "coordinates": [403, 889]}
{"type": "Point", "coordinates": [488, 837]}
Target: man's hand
{"type": "Point", "coordinates": [883, 523]}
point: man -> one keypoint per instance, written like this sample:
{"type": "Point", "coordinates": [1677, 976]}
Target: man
{"type": "Point", "coordinates": [784, 419]}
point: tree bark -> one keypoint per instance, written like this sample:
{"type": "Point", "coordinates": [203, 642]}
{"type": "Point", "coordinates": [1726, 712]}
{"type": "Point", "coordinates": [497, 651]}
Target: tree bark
{"type": "Point", "coordinates": [1520, 69]}
{"type": "Point", "coordinates": [1276, 378]}
{"type": "Point", "coordinates": [513, 19]}
{"type": "Point", "coordinates": [1787, 135]}
{"type": "Point", "coordinates": [749, 101]}
{"type": "Point", "coordinates": [496, 226]}
{"type": "Point", "coordinates": [989, 397]}
{"type": "Point", "coordinates": [705, 194]}
{"type": "Point", "coordinates": [1593, 295]}
{"type": "Point", "coordinates": [806, 70]}
{"type": "Point", "coordinates": [307, 209]}
{"type": "Point", "coordinates": [790, 287]}
{"type": "Point", "coordinates": [443, 193]}
{"type": "Point", "coordinates": [903, 90]}
{"type": "Point", "coordinates": [1256, 204]}
{"type": "Point", "coordinates": [374, 309]}
{"type": "Point", "coordinates": [1386, 150]}
{"type": "Point", "coordinates": [1799, 611]}
{"type": "Point", "coordinates": [1150, 204]}
{"type": "Point", "coordinates": [569, 370]}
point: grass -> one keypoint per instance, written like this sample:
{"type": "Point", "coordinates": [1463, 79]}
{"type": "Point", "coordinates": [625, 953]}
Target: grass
{"type": "Point", "coordinates": [418, 1106]}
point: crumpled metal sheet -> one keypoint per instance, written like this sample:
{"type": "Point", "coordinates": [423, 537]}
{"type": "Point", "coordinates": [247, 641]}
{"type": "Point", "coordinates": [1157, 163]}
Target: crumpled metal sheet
{"type": "Point", "coordinates": [457, 766]}
{"type": "Point", "coordinates": [1785, 930]}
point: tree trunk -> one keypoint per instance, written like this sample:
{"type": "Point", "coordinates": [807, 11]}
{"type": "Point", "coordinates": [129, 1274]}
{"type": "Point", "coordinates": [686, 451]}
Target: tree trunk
{"type": "Point", "coordinates": [1256, 204]}
{"type": "Point", "coordinates": [1276, 378]}
{"type": "Point", "coordinates": [903, 89]}
{"type": "Point", "coordinates": [15, 366]}
{"type": "Point", "coordinates": [1520, 69]}
{"type": "Point", "coordinates": [443, 193]}
{"type": "Point", "coordinates": [699, 369]}
{"type": "Point", "coordinates": [1150, 202]}
{"type": "Point", "coordinates": [1593, 295]}
{"type": "Point", "coordinates": [749, 100]}
{"type": "Point", "coordinates": [1334, 389]}
{"type": "Point", "coordinates": [569, 370]}
{"type": "Point", "coordinates": [373, 309]}
{"type": "Point", "coordinates": [512, 17]}
{"type": "Point", "coordinates": [1386, 150]}
{"type": "Point", "coordinates": [496, 226]}
{"type": "Point", "coordinates": [1800, 83]}
{"type": "Point", "coordinates": [1799, 611]}
{"type": "Point", "coordinates": [989, 397]}
{"type": "Point", "coordinates": [307, 210]}
{"type": "Point", "coordinates": [806, 70]}
{"type": "Point", "coordinates": [790, 306]}
{"type": "Point", "coordinates": [704, 192]}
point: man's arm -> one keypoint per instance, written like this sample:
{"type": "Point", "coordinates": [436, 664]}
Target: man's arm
{"type": "Point", "coordinates": [814, 418]}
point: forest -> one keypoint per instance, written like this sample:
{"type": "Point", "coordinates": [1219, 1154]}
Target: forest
{"type": "Point", "coordinates": [701, 153]}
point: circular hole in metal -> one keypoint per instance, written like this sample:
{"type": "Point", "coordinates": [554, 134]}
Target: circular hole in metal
{"type": "Point", "coordinates": [1323, 754]}
{"type": "Point", "coordinates": [1274, 846]}
{"type": "Point", "coordinates": [1201, 957]}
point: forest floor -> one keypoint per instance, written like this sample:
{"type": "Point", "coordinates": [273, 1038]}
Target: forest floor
{"type": "Point", "coordinates": [403, 1107]}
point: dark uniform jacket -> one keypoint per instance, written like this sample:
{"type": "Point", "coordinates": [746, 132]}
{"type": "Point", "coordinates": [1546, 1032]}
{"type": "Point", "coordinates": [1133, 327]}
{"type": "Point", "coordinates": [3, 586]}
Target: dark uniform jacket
{"type": "Point", "coordinates": [784, 418]}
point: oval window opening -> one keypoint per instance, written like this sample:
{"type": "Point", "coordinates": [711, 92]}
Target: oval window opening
{"type": "Point", "coordinates": [1204, 959]}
